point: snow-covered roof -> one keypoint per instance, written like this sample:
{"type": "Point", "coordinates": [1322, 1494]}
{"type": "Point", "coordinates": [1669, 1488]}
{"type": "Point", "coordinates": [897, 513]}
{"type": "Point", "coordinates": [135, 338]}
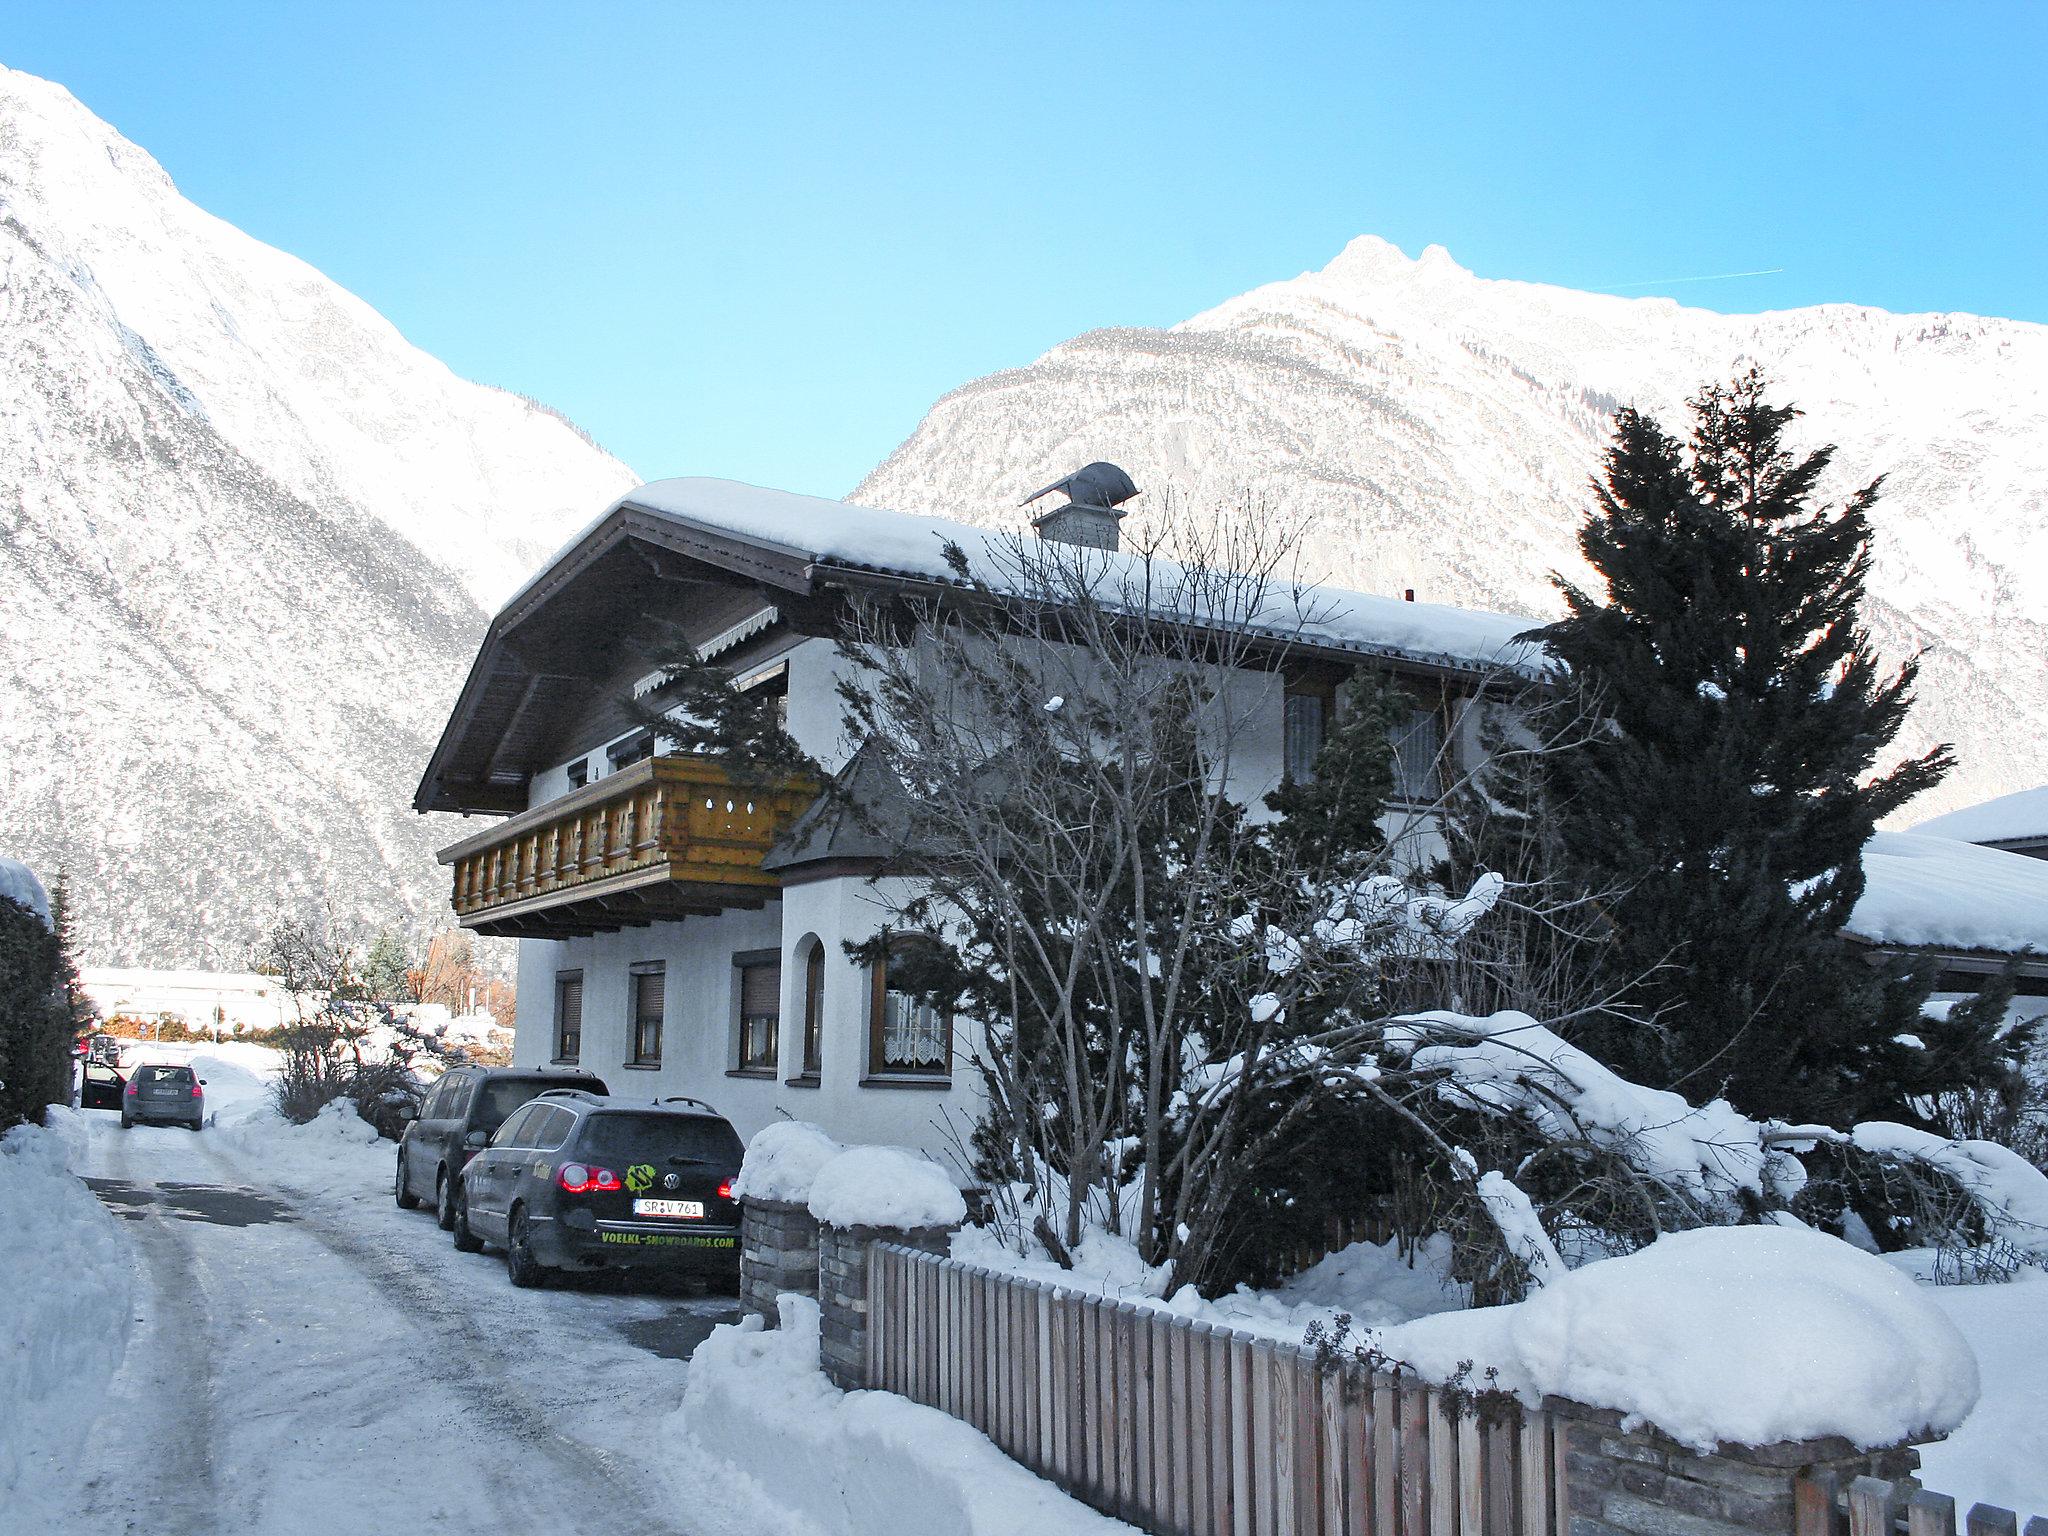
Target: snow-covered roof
{"type": "Point", "coordinates": [19, 883]}
{"type": "Point", "coordinates": [829, 533]}
{"type": "Point", "coordinates": [1936, 893]}
{"type": "Point", "coordinates": [2019, 817]}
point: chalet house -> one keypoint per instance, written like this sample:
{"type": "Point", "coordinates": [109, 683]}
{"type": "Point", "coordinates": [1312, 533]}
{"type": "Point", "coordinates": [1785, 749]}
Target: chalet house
{"type": "Point", "coordinates": [680, 934]}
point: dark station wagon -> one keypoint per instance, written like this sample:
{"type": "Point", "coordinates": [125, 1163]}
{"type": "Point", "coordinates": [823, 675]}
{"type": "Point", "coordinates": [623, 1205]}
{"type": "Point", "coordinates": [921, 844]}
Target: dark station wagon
{"type": "Point", "coordinates": [578, 1181]}
{"type": "Point", "coordinates": [460, 1114]}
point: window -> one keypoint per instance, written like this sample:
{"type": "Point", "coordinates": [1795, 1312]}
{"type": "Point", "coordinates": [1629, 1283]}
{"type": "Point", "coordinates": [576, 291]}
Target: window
{"type": "Point", "coordinates": [1306, 714]}
{"type": "Point", "coordinates": [907, 1037]}
{"type": "Point", "coordinates": [579, 773]}
{"type": "Point", "coordinates": [459, 1096]}
{"type": "Point", "coordinates": [814, 1008]}
{"type": "Point", "coordinates": [1418, 743]}
{"type": "Point", "coordinates": [760, 1002]}
{"type": "Point", "coordinates": [568, 1016]}
{"type": "Point", "coordinates": [550, 1129]}
{"type": "Point", "coordinates": [631, 750]}
{"type": "Point", "coordinates": [648, 983]}
{"type": "Point", "coordinates": [513, 1133]}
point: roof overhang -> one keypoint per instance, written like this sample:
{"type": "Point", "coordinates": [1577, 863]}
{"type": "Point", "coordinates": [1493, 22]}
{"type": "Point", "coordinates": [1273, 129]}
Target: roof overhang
{"type": "Point", "coordinates": [568, 625]}
{"type": "Point", "coordinates": [565, 628]}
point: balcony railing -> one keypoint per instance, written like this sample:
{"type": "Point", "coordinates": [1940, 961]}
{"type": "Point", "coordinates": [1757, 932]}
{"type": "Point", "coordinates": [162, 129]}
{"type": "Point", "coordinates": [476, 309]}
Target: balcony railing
{"type": "Point", "coordinates": [666, 838]}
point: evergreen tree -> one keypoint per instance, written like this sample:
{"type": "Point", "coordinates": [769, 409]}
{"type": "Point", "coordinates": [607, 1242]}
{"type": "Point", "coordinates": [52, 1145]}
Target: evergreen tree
{"type": "Point", "coordinates": [1730, 803]}
{"type": "Point", "coordinates": [79, 1014]}
{"type": "Point", "coordinates": [695, 709]}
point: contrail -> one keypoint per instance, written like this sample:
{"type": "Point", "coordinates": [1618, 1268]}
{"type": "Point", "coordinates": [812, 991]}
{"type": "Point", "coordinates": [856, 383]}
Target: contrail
{"type": "Point", "coordinates": [1711, 277]}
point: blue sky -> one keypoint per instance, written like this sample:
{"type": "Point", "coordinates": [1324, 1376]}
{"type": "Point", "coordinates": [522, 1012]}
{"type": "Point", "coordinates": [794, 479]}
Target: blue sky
{"type": "Point", "coordinates": [759, 240]}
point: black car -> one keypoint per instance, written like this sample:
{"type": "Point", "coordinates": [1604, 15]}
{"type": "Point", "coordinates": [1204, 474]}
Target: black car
{"type": "Point", "coordinates": [102, 1087]}
{"type": "Point", "coordinates": [461, 1112]}
{"type": "Point", "coordinates": [578, 1181]}
{"type": "Point", "coordinates": [164, 1095]}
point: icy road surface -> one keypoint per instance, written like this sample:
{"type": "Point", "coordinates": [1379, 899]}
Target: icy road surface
{"type": "Point", "coordinates": [314, 1360]}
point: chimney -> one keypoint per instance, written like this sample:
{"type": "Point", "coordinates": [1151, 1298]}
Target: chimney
{"type": "Point", "coordinates": [1089, 517]}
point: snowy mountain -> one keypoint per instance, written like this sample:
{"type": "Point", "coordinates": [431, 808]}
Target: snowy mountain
{"type": "Point", "coordinates": [247, 533]}
{"type": "Point", "coordinates": [1440, 428]}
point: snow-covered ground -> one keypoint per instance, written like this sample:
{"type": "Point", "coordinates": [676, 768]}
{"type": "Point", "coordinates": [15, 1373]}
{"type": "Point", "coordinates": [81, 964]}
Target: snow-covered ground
{"type": "Point", "coordinates": [303, 1357]}
{"type": "Point", "coordinates": [258, 1340]}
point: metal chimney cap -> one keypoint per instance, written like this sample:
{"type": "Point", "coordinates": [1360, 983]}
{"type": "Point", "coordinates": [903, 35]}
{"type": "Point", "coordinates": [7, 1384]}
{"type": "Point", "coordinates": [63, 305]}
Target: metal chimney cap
{"type": "Point", "coordinates": [1092, 485]}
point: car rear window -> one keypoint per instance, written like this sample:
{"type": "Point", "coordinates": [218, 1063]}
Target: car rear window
{"type": "Point", "coordinates": [500, 1096]}
{"type": "Point", "coordinates": [163, 1074]}
{"type": "Point", "coordinates": [625, 1134]}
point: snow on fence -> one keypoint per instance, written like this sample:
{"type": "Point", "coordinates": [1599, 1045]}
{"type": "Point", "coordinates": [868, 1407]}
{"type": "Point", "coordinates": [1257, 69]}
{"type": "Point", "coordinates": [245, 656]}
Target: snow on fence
{"type": "Point", "coordinates": [1872, 1506]}
{"type": "Point", "coordinates": [1180, 1426]}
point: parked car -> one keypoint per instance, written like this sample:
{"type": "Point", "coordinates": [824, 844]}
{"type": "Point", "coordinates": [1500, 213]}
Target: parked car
{"type": "Point", "coordinates": [461, 1112]}
{"type": "Point", "coordinates": [164, 1095]}
{"type": "Point", "coordinates": [102, 1087]}
{"type": "Point", "coordinates": [580, 1181]}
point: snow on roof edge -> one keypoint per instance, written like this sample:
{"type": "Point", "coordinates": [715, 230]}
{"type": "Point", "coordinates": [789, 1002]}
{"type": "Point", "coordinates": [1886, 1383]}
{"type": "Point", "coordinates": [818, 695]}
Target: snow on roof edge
{"type": "Point", "coordinates": [907, 545]}
{"type": "Point", "coordinates": [1924, 892]}
{"type": "Point", "coordinates": [2016, 817]}
{"type": "Point", "coordinates": [19, 883]}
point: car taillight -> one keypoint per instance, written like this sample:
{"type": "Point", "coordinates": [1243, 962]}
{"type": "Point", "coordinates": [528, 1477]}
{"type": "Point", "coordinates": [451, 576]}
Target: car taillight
{"type": "Point", "coordinates": [576, 1179]}
{"type": "Point", "coordinates": [195, 1090]}
{"type": "Point", "coordinates": [725, 1189]}
{"type": "Point", "coordinates": [134, 1088]}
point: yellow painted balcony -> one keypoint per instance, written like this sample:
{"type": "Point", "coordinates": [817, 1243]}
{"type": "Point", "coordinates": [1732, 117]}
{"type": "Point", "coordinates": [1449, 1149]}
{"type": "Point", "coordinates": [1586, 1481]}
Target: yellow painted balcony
{"type": "Point", "coordinates": [664, 839]}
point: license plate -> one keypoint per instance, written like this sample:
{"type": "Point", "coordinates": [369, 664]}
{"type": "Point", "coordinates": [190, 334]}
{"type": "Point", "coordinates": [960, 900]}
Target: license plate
{"type": "Point", "coordinates": [668, 1208]}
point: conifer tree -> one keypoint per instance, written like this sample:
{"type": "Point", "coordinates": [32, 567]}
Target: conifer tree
{"type": "Point", "coordinates": [1732, 799]}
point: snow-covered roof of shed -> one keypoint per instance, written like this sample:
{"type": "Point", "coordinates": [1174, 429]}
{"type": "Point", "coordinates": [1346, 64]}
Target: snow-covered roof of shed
{"type": "Point", "coordinates": [900, 544]}
{"type": "Point", "coordinates": [1936, 893]}
{"type": "Point", "coordinates": [2015, 818]}
{"type": "Point", "coordinates": [19, 883]}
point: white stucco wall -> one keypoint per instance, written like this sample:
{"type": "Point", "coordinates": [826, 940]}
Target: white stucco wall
{"type": "Point", "coordinates": [700, 1016]}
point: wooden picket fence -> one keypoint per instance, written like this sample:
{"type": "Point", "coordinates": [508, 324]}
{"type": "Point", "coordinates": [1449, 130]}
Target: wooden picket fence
{"type": "Point", "coordinates": [1871, 1506]}
{"type": "Point", "coordinates": [1189, 1429]}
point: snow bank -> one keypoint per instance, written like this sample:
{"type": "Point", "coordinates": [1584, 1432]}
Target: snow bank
{"type": "Point", "coordinates": [885, 1187]}
{"type": "Point", "coordinates": [335, 1147]}
{"type": "Point", "coordinates": [2021, 814]}
{"type": "Point", "coordinates": [1736, 1335]}
{"type": "Point", "coordinates": [2000, 1454]}
{"type": "Point", "coordinates": [65, 1291]}
{"type": "Point", "coordinates": [18, 883]}
{"type": "Point", "coordinates": [1934, 891]}
{"type": "Point", "coordinates": [858, 1463]}
{"type": "Point", "coordinates": [782, 1162]}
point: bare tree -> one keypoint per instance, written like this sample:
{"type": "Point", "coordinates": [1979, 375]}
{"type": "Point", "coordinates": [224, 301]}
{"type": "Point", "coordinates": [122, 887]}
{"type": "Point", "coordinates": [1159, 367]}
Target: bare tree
{"type": "Point", "coordinates": [1076, 734]}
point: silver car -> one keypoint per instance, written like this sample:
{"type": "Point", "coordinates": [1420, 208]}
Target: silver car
{"type": "Point", "coordinates": [164, 1095]}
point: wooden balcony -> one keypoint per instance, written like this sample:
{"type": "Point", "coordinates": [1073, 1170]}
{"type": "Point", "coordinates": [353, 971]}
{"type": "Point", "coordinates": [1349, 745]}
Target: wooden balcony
{"type": "Point", "coordinates": [664, 839]}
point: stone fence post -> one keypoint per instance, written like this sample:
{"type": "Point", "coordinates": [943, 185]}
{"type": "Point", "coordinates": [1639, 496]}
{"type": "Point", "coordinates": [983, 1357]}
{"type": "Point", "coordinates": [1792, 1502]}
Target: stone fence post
{"type": "Point", "coordinates": [843, 1292]}
{"type": "Point", "coordinates": [1637, 1482]}
{"type": "Point", "coordinates": [778, 1254]}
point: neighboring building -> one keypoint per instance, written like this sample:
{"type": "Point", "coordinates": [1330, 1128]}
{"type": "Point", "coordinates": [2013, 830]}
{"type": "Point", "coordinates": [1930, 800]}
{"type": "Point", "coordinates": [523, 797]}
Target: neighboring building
{"type": "Point", "coordinates": [199, 999]}
{"type": "Point", "coordinates": [680, 936]}
{"type": "Point", "coordinates": [1970, 909]}
{"type": "Point", "coordinates": [2016, 823]}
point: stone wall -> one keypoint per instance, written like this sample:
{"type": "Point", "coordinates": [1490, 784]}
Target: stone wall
{"type": "Point", "coordinates": [778, 1254]}
{"type": "Point", "coordinates": [1636, 1482]}
{"type": "Point", "coordinates": [843, 1293]}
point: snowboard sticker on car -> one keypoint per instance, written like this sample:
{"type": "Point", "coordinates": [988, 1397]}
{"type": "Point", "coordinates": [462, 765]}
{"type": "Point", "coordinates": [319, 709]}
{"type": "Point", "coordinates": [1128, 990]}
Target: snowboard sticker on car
{"type": "Point", "coordinates": [640, 1178]}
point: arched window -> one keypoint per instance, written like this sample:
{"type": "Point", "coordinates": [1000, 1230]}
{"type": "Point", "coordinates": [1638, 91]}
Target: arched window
{"type": "Point", "coordinates": [814, 1009]}
{"type": "Point", "coordinates": [906, 1037]}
